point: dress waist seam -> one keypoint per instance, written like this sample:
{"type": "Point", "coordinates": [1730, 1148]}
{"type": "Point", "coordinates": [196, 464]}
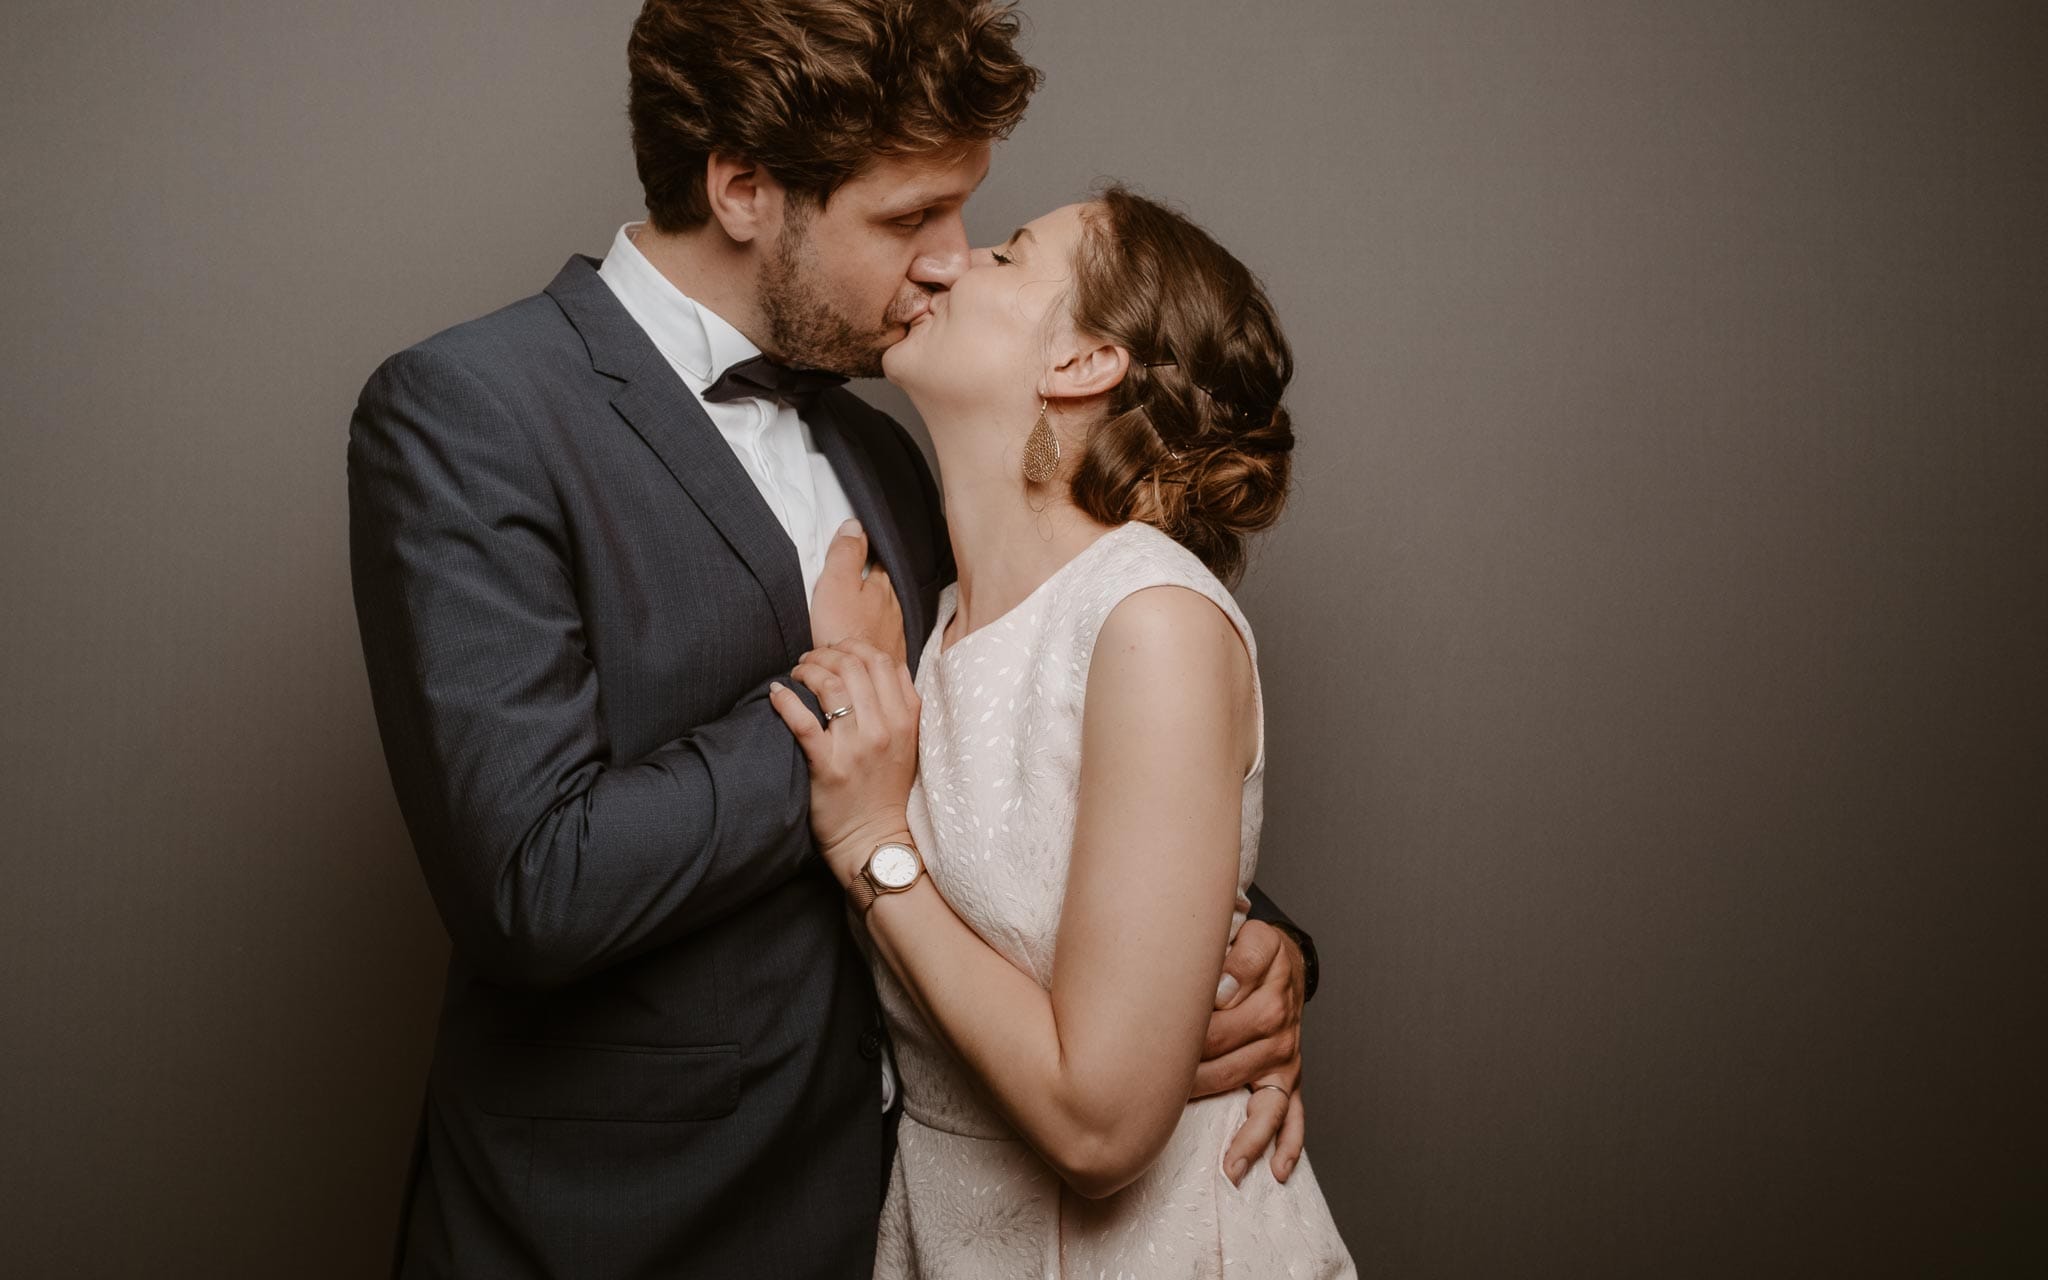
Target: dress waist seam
{"type": "Point", "coordinates": [936, 1125]}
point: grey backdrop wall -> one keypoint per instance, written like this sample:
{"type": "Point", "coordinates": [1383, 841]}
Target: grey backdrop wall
{"type": "Point", "coordinates": [1654, 645]}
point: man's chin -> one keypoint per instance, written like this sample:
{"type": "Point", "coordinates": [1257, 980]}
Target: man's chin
{"type": "Point", "coordinates": [877, 363]}
{"type": "Point", "coordinates": [905, 333]}
{"type": "Point", "coordinates": [847, 364]}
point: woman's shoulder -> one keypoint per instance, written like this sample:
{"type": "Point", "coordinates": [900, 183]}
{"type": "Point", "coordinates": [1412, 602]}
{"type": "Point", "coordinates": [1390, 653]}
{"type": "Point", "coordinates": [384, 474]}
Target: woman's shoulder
{"type": "Point", "coordinates": [1135, 557]}
{"type": "Point", "coordinates": [1138, 555]}
{"type": "Point", "coordinates": [1145, 646]}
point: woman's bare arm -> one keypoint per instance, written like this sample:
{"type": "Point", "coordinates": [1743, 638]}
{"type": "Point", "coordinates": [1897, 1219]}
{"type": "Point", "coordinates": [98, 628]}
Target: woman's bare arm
{"type": "Point", "coordinates": [1095, 1073]}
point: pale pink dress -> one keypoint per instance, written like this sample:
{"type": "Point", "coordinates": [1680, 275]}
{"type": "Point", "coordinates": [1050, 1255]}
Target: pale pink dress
{"type": "Point", "coordinates": [993, 813]}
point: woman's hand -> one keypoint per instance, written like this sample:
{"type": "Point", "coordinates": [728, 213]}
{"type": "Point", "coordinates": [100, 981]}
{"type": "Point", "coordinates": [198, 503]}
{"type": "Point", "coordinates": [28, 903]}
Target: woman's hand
{"type": "Point", "coordinates": [863, 761]}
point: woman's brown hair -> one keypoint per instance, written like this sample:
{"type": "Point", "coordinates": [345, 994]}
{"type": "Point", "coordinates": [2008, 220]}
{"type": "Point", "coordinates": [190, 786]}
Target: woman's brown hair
{"type": "Point", "coordinates": [1196, 441]}
{"type": "Point", "coordinates": [813, 90]}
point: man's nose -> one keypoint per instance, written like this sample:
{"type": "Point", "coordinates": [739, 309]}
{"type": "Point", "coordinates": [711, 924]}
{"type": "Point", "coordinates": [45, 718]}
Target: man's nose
{"type": "Point", "coordinates": [945, 260]}
{"type": "Point", "coordinates": [940, 269]}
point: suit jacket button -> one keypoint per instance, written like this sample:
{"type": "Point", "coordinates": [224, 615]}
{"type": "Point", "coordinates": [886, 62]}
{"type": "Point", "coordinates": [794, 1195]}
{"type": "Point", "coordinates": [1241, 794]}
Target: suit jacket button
{"type": "Point", "coordinates": [871, 1044]}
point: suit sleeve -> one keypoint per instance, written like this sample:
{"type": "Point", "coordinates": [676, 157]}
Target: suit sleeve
{"type": "Point", "coordinates": [547, 859]}
{"type": "Point", "coordinates": [1264, 908]}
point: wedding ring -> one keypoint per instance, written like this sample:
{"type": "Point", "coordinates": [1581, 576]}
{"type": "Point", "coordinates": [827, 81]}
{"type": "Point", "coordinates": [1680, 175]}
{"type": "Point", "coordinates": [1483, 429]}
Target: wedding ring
{"type": "Point", "coordinates": [1285, 1092]}
{"type": "Point", "coordinates": [830, 716]}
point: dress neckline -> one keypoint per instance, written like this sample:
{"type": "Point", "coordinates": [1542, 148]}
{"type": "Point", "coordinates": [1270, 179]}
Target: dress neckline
{"type": "Point", "coordinates": [949, 600]}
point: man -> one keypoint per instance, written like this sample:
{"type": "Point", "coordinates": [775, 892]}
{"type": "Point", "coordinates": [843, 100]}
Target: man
{"type": "Point", "coordinates": [587, 532]}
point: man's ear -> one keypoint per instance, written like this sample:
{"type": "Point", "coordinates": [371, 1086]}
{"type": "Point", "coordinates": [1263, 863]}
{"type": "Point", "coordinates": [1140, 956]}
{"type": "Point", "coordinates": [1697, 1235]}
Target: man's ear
{"type": "Point", "coordinates": [1091, 368]}
{"type": "Point", "coordinates": [745, 199]}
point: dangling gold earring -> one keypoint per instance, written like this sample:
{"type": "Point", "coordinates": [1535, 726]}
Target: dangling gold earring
{"type": "Point", "coordinates": [1041, 450]}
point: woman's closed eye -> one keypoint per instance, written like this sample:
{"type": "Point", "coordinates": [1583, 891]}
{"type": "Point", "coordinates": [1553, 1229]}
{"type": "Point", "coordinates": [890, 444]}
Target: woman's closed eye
{"type": "Point", "coordinates": [1002, 259]}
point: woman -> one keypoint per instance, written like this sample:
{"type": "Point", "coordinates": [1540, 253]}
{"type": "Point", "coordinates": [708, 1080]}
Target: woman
{"type": "Point", "coordinates": [1047, 837]}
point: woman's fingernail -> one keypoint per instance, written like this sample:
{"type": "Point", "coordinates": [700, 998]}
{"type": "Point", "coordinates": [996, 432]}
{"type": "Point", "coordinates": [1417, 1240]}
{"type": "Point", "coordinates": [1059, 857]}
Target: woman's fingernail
{"type": "Point", "coordinates": [849, 528]}
{"type": "Point", "coordinates": [1287, 1170]}
{"type": "Point", "coordinates": [1226, 988]}
{"type": "Point", "coordinates": [1237, 1168]}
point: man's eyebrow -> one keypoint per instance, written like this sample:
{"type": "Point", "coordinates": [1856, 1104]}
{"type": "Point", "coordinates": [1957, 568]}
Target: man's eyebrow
{"type": "Point", "coordinates": [926, 199]}
{"type": "Point", "coordinates": [909, 205]}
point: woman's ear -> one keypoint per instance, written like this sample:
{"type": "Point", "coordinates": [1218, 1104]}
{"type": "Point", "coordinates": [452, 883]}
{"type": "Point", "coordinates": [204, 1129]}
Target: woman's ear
{"type": "Point", "coordinates": [1089, 370]}
{"type": "Point", "coordinates": [745, 198]}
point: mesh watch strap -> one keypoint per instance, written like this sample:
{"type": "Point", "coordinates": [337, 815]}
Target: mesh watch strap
{"type": "Point", "coordinates": [862, 891]}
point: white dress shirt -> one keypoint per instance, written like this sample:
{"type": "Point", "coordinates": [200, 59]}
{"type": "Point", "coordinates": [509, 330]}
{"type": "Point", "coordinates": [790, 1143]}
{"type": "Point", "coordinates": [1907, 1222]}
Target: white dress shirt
{"type": "Point", "coordinates": [767, 436]}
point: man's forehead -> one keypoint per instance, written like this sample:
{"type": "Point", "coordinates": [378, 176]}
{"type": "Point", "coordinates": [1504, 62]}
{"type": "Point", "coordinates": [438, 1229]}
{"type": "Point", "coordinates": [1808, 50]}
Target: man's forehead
{"type": "Point", "coordinates": [913, 182]}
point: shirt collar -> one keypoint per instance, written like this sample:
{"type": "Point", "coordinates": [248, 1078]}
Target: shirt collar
{"type": "Point", "coordinates": [683, 329]}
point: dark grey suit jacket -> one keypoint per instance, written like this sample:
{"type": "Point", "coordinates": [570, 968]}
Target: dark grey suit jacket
{"type": "Point", "coordinates": [657, 1050]}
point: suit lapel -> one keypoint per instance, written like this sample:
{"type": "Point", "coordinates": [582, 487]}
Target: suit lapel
{"type": "Point", "coordinates": [864, 491]}
{"type": "Point", "coordinates": [656, 404]}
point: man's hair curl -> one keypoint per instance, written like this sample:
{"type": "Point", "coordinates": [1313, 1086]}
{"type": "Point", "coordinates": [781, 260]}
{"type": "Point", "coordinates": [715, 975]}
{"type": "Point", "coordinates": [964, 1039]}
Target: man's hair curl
{"type": "Point", "coordinates": [813, 90]}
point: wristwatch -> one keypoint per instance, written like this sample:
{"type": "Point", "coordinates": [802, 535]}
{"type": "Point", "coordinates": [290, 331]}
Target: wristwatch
{"type": "Point", "coordinates": [891, 868]}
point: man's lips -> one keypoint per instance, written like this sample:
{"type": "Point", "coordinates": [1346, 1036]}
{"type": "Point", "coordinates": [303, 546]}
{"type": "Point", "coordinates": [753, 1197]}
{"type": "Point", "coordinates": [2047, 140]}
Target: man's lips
{"type": "Point", "coordinates": [931, 304]}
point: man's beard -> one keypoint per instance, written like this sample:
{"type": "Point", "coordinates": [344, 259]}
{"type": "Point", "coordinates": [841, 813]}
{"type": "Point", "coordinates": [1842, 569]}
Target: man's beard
{"type": "Point", "coordinates": [807, 330]}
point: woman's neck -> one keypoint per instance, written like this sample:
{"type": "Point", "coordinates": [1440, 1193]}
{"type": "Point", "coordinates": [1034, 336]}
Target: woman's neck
{"type": "Point", "coordinates": [1008, 538]}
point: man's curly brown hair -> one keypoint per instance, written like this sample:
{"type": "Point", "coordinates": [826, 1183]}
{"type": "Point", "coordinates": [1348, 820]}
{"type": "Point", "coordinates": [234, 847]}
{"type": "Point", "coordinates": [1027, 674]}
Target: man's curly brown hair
{"type": "Point", "coordinates": [813, 90]}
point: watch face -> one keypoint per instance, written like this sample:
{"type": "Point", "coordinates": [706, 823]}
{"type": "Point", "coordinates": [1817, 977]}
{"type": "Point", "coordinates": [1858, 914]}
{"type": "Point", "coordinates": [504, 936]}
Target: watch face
{"type": "Point", "coordinates": [893, 867]}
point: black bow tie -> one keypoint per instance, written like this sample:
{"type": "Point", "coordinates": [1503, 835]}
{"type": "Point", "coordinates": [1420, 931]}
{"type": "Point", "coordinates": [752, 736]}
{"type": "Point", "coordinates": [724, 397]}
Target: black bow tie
{"type": "Point", "coordinates": [768, 379]}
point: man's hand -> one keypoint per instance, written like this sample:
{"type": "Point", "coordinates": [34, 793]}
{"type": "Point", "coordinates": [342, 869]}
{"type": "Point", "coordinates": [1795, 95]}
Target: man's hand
{"type": "Point", "coordinates": [1255, 1039]}
{"type": "Point", "coordinates": [853, 602]}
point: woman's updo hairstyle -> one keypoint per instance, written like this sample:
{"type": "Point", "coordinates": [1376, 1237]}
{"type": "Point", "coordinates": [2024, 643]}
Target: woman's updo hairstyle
{"type": "Point", "coordinates": [1196, 442]}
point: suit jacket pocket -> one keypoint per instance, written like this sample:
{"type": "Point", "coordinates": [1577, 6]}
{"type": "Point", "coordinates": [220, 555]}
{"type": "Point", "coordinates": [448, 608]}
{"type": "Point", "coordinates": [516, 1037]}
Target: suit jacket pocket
{"type": "Point", "coordinates": [558, 1080]}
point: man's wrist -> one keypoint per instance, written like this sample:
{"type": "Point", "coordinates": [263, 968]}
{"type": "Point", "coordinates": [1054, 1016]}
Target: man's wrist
{"type": "Point", "coordinates": [1307, 949]}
